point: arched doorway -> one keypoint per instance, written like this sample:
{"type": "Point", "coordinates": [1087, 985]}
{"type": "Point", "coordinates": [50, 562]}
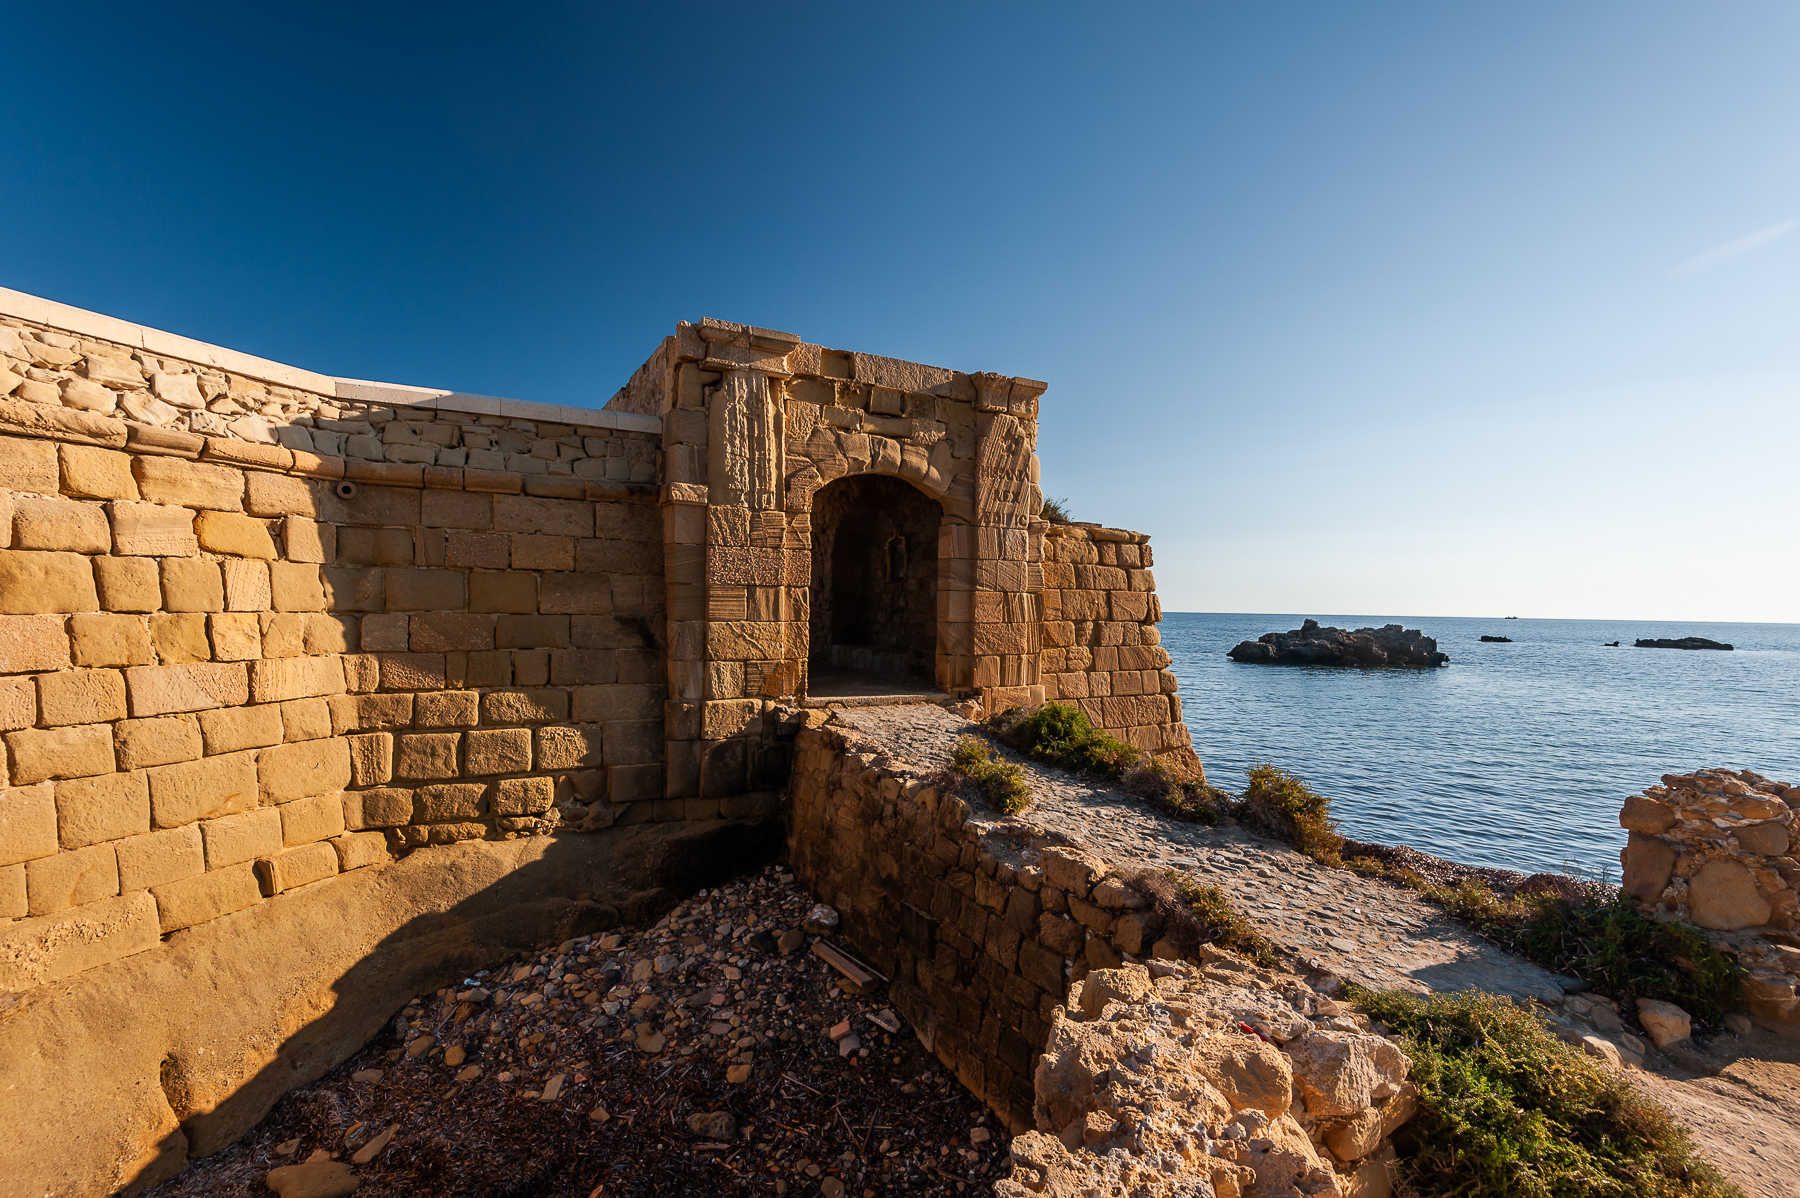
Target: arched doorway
{"type": "Point", "coordinates": [874, 585]}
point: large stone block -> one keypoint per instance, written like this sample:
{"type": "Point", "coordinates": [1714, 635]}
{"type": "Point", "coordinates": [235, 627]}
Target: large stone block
{"type": "Point", "coordinates": [535, 706]}
{"type": "Point", "coordinates": [380, 807]}
{"type": "Point", "coordinates": [71, 879]}
{"type": "Point", "coordinates": [94, 473]}
{"type": "Point", "coordinates": [371, 758]}
{"type": "Point", "coordinates": [450, 631]}
{"type": "Point", "coordinates": [158, 740]}
{"type": "Point", "coordinates": [38, 952]}
{"type": "Point", "coordinates": [107, 640]}
{"type": "Point", "coordinates": [60, 524]}
{"type": "Point", "coordinates": [522, 513]}
{"type": "Point", "coordinates": [128, 584]}
{"type": "Point", "coordinates": [303, 768]}
{"type": "Point", "coordinates": [503, 591]}
{"type": "Point", "coordinates": [446, 709]}
{"type": "Point", "coordinates": [235, 636]}
{"type": "Point", "coordinates": [498, 751]}
{"type": "Point", "coordinates": [632, 742]}
{"type": "Point", "coordinates": [73, 752]}
{"type": "Point", "coordinates": [426, 590]}
{"type": "Point", "coordinates": [152, 530]}
{"type": "Point", "coordinates": [234, 534]}
{"type": "Point", "coordinates": [449, 801]}
{"type": "Point", "coordinates": [27, 823]}
{"type": "Point", "coordinates": [275, 680]}
{"type": "Point", "coordinates": [568, 747]}
{"type": "Point", "coordinates": [160, 690]}
{"type": "Point", "coordinates": [18, 704]}
{"type": "Point", "coordinates": [1646, 864]}
{"type": "Point", "coordinates": [296, 867]}
{"type": "Point", "coordinates": [157, 857]}
{"type": "Point", "coordinates": [180, 637]}
{"type": "Point", "coordinates": [241, 837]}
{"type": "Point", "coordinates": [317, 818]}
{"type": "Point", "coordinates": [306, 719]}
{"type": "Point", "coordinates": [269, 494]}
{"type": "Point", "coordinates": [307, 540]}
{"type": "Point", "coordinates": [80, 697]}
{"type": "Point", "coordinates": [231, 729]}
{"type": "Point", "coordinates": [421, 756]}
{"type": "Point", "coordinates": [184, 903]}
{"type": "Point", "coordinates": [296, 586]}
{"type": "Point", "coordinates": [106, 807]}
{"type": "Point", "coordinates": [1723, 896]}
{"type": "Point", "coordinates": [357, 849]}
{"type": "Point", "coordinates": [190, 484]}
{"type": "Point", "coordinates": [523, 796]}
{"type": "Point", "coordinates": [32, 581]}
{"type": "Point", "coordinates": [27, 465]}
{"type": "Point", "coordinates": [192, 584]}
{"type": "Point", "coordinates": [204, 789]}
{"type": "Point", "coordinates": [29, 643]}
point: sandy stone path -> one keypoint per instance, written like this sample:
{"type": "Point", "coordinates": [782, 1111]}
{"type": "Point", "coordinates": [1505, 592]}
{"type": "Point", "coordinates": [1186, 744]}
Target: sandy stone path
{"type": "Point", "coordinates": [1739, 1096]}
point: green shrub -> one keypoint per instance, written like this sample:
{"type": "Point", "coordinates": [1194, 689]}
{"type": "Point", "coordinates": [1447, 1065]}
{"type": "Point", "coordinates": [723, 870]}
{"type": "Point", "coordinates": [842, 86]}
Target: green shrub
{"type": "Point", "coordinates": [1194, 914]}
{"type": "Point", "coordinates": [1506, 1110]}
{"type": "Point", "coordinates": [1282, 805]}
{"type": "Point", "coordinates": [1056, 511]}
{"type": "Point", "coordinates": [1062, 735]}
{"type": "Point", "coordinates": [1611, 946]}
{"type": "Point", "coordinates": [1000, 783]}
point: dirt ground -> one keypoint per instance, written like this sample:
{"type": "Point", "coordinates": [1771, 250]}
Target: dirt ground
{"type": "Point", "coordinates": [1740, 1098]}
{"type": "Point", "coordinates": [710, 1054]}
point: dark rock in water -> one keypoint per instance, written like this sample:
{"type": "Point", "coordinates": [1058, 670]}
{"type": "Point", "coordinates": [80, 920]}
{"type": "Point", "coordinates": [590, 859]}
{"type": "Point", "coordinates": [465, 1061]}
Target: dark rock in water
{"type": "Point", "coordinates": [1686, 642]}
{"type": "Point", "coordinates": [1496, 640]}
{"type": "Point", "coordinates": [1611, 645]}
{"type": "Point", "coordinates": [1387, 647]}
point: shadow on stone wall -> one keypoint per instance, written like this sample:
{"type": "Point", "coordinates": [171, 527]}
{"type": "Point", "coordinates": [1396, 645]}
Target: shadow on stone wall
{"type": "Point", "coordinates": [175, 1053]}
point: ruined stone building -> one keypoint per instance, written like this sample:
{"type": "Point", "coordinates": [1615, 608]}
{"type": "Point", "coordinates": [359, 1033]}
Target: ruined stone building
{"type": "Point", "coordinates": [413, 677]}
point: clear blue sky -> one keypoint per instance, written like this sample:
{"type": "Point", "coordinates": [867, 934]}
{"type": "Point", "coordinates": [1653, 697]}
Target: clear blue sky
{"type": "Point", "coordinates": [1435, 309]}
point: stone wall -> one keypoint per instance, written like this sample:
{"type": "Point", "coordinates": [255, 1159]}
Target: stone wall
{"type": "Point", "coordinates": [756, 422]}
{"type": "Point", "coordinates": [1721, 849]}
{"type": "Point", "coordinates": [979, 935]}
{"type": "Point", "coordinates": [224, 677]}
{"type": "Point", "coordinates": [1102, 651]}
{"type": "Point", "coordinates": [981, 925]}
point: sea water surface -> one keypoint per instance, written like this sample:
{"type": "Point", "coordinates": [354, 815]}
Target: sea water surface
{"type": "Point", "coordinates": [1515, 755]}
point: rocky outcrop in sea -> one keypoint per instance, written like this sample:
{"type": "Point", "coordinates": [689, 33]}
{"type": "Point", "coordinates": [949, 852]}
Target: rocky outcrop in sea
{"type": "Point", "coordinates": [1685, 642]}
{"type": "Point", "coordinates": [1387, 647]}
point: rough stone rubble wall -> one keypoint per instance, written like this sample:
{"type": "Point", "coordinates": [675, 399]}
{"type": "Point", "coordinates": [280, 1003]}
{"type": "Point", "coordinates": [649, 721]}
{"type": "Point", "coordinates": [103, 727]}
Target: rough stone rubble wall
{"type": "Point", "coordinates": [1721, 849]}
{"type": "Point", "coordinates": [1102, 651]}
{"type": "Point", "coordinates": [981, 929]}
{"type": "Point", "coordinates": [221, 679]}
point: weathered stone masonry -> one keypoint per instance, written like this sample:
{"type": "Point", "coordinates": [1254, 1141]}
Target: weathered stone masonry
{"type": "Point", "coordinates": [275, 644]}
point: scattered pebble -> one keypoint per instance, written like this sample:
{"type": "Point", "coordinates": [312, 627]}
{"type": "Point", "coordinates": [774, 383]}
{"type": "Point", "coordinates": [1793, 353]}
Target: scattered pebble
{"type": "Point", "coordinates": [681, 1058]}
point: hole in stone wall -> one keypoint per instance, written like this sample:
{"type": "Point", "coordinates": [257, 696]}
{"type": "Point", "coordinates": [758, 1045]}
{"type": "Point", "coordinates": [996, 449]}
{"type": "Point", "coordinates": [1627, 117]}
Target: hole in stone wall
{"type": "Point", "coordinates": [874, 584]}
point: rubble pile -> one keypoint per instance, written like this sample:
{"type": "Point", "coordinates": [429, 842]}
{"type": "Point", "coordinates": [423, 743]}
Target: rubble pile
{"type": "Point", "coordinates": [716, 1052]}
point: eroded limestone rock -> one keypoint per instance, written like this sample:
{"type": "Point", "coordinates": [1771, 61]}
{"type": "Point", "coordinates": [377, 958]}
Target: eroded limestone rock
{"type": "Point", "coordinates": [1208, 1082]}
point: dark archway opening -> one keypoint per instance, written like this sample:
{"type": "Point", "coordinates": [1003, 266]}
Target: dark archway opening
{"type": "Point", "coordinates": [874, 585]}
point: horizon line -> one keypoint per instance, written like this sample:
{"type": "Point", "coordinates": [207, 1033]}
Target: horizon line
{"type": "Point", "coordinates": [1168, 611]}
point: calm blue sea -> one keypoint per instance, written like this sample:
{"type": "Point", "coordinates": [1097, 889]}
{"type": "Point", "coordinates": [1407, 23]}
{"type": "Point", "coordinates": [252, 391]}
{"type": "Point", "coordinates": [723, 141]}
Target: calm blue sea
{"type": "Point", "coordinates": [1515, 755]}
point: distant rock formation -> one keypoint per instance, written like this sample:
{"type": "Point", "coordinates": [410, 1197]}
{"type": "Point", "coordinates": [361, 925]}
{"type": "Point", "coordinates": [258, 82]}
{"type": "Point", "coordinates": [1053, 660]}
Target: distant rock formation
{"type": "Point", "coordinates": [1686, 642]}
{"type": "Point", "coordinates": [1496, 640]}
{"type": "Point", "coordinates": [1387, 647]}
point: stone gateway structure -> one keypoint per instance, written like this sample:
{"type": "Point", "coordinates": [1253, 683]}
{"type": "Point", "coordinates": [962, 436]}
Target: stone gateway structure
{"type": "Point", "coordinates": [316, 691]}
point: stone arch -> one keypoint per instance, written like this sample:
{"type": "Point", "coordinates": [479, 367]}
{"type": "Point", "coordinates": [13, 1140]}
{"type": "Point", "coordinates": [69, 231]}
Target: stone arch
{"type": "Point", "coordinates": [873, 597]}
